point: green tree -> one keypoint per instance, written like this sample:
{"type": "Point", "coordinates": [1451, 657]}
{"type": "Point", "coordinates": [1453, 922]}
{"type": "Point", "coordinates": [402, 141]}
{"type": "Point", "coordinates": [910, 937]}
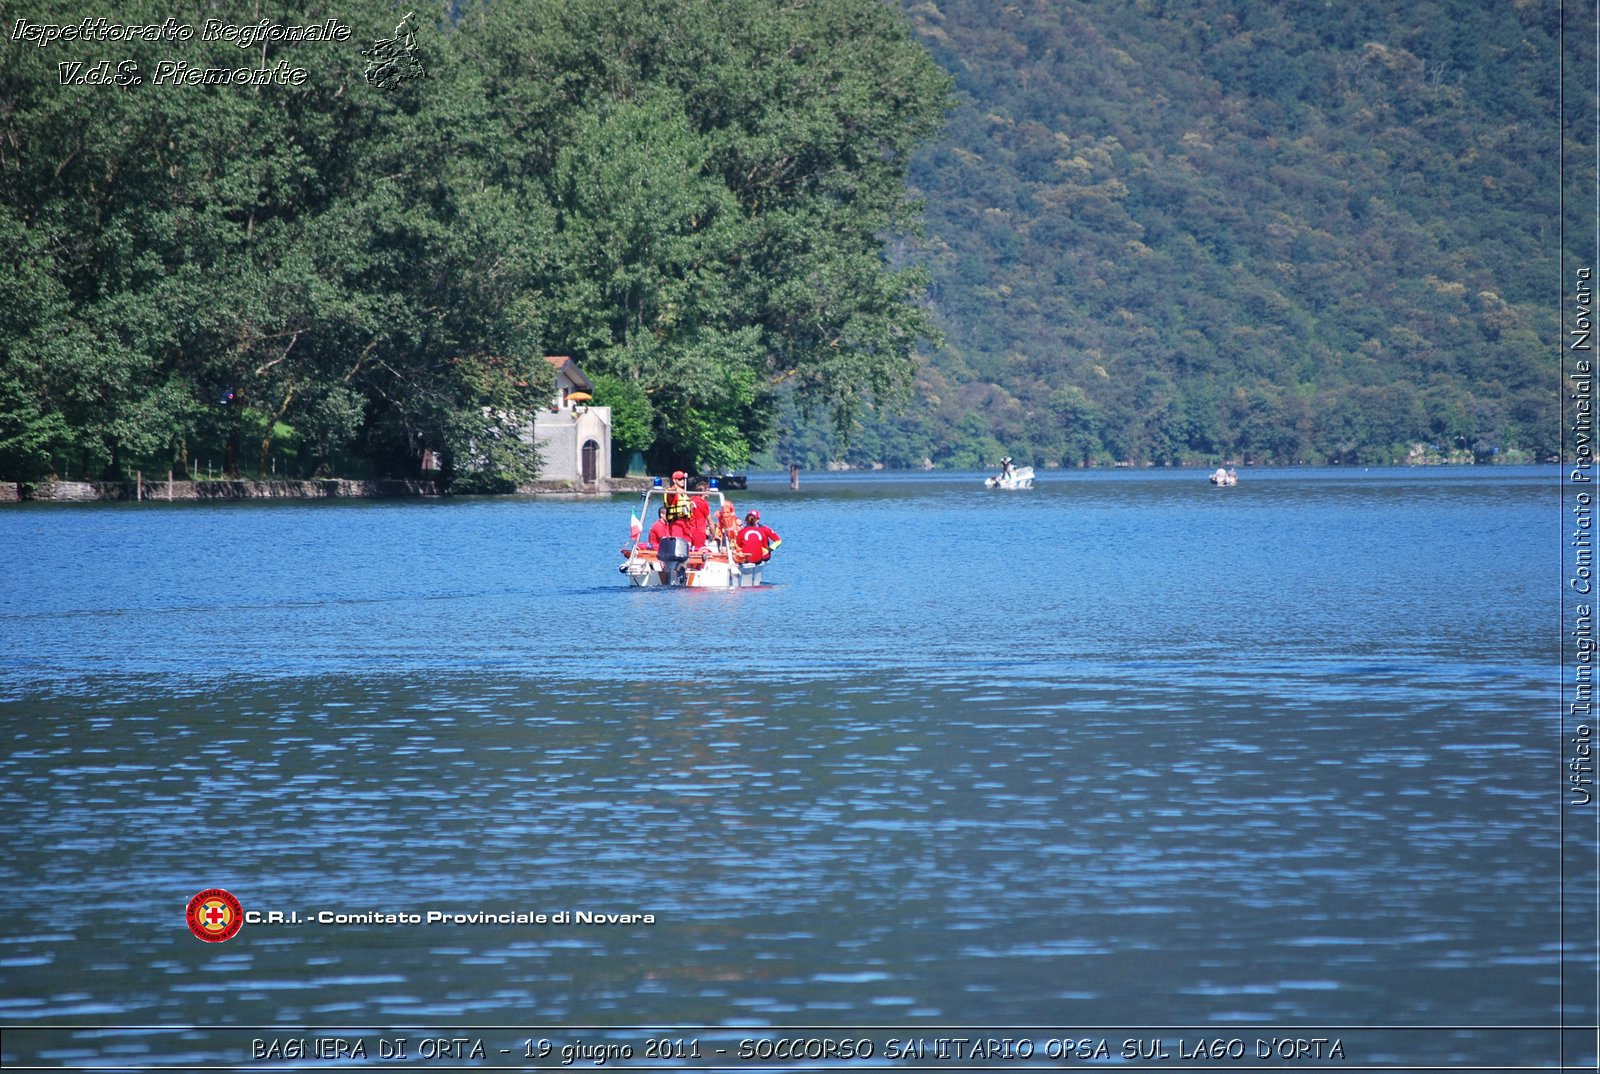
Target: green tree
{"type": "Point", "coordinates": [724, 174]}
{"type": "Point", "coordinates": [695, 198]}
{"type": "Point", "coordinates": [632, 418]}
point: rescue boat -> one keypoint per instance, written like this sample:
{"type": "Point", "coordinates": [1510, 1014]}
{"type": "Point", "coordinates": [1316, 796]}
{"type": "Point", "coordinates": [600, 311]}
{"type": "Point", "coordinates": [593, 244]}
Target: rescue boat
{"type": "Point", "coordinates": [1020, 478]}
{"type": "Point", "coordinates": [719, 565]}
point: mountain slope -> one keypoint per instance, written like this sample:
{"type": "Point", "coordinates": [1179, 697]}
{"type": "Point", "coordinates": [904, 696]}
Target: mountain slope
{"type": "Point", "coordinates": [1277, 232]}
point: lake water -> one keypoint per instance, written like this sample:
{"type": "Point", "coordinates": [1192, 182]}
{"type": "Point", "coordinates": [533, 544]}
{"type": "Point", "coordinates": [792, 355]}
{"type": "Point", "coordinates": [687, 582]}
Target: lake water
{"type": "Point", "coordinates": [1122, 759]}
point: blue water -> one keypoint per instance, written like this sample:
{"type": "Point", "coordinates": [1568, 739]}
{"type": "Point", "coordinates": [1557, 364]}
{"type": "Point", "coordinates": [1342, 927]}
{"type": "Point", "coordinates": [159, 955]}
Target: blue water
{"type": "Point", "coordinates": [1124, 750]}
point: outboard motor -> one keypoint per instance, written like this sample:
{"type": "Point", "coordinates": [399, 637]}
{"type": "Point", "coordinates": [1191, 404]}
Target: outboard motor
{"type": "Point", "coordinates": [672, 552]}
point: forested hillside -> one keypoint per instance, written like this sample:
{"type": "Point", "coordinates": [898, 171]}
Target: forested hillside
{"type": "Point", "coordinates": [292, 244]}
{"type": "Point", "coordinates": [1269, 231]}
{"type": "Point", "coordinates": [1154, 232]}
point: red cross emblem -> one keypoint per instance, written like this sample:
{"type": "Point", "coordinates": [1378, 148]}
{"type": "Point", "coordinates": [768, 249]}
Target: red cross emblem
{"type": "Point", "coordinates": [214, 915]}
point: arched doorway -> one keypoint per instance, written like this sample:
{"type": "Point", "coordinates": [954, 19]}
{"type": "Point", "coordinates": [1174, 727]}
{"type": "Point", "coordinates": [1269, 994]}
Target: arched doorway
{"type": "Point", "coordinates": [591, 450]}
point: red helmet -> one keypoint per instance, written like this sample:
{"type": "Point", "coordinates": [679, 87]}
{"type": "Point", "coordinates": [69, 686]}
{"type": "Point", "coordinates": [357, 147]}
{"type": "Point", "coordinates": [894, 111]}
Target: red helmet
{"type": "Point", "coordinates": [752, 516]}
{"type": "Point", "coordinates": [678, 475]}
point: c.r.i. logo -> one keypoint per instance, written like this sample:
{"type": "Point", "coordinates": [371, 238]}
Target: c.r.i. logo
{"type": "Point", "coordinates": [215, 916]}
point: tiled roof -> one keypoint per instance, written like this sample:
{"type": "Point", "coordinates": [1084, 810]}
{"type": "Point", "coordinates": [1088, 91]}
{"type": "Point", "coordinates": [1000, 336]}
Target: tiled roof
{"type": "Point", "coordinates": [563, 363]}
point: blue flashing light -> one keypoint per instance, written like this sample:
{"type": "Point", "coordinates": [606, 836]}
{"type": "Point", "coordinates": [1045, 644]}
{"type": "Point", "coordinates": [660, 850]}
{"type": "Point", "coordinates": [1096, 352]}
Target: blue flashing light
{"type": "Point", "coordinates": [656, 483]}
{"type": "Point", "coordinates": [713, 484]}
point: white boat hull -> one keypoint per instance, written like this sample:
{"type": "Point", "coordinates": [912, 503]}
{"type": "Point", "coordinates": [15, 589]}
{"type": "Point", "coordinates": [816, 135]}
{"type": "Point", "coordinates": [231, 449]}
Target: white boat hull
{"type": "Point", "coordinates": [714, 570]}
{"type": "Point", "coordinates": [1020, 478]}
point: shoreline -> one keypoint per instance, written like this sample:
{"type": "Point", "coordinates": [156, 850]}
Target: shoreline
{"type": "Point", "coordinates": [311, 489]}
{"type": "Point", "coordinates": [213, 490]}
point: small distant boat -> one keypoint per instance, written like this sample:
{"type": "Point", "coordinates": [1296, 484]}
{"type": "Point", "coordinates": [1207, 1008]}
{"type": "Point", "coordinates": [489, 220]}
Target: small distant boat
{"type": "Point", "coordinates": [1020, 478]}
{"type": "Point", "coordinates": [1224, 477]}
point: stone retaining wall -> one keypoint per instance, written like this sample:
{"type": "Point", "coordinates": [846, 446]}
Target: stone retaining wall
{"type": "Point", "coordinates": [83, 491]}
{"type": "Point", "coordinates": [328, 488]}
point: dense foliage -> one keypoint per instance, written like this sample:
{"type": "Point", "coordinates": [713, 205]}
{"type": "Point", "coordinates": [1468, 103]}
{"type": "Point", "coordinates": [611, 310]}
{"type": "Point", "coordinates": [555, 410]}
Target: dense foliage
{"type": "Point", "coordinates": [690, 196]}
{"type": "Point", "coordinates": [1178, 232]}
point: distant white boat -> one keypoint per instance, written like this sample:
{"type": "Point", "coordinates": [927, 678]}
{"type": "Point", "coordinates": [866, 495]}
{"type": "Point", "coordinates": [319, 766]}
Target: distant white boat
{"type": "Point", "coordinates": [1224, 478]}
{"type": "Point", "coordinates": [1020, 478]}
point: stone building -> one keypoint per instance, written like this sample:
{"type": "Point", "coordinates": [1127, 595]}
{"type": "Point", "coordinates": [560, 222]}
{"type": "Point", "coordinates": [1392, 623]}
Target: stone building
{"type": "Point", "coordinates": [573, 437]}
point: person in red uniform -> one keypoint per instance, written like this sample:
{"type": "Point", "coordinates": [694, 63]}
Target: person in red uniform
{"type": "Point", "coordinates": [699, 521]}
{"type": "Point", "coordinates": [658, 530]}
{"type": "Point", "coordinates": [756, 541]}
{"type": "Point", "coordinates": [678, 508]}
{"type": "Point", "coordinates": [725, 527]}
